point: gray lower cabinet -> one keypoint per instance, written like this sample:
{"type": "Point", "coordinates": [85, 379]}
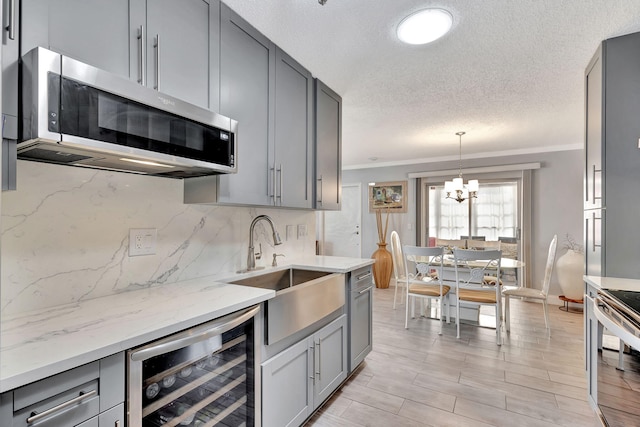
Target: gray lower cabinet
{"type": "Point", "coordinates": [89, 395]}
{"type": "Point", "coordinates": [360, 300]}
{"type": "Point", "coordinates": [297, 380]}
{"type": "Point", "coordinates": [327, 147]}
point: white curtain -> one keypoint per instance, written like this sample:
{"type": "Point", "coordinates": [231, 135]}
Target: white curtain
{"type": "Point", "coordinates": [493, 214]}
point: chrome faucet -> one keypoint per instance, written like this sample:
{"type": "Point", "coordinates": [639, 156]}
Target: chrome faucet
{"type": "Point", "coordinates": [251, 259]}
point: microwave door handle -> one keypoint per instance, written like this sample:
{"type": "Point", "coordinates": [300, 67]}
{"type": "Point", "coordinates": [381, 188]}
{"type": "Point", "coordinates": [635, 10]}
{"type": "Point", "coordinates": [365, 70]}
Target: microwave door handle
{"type": "Point", "coordinates": [156, 46]}
{"type": "Point", "coordinates": [194, 335]}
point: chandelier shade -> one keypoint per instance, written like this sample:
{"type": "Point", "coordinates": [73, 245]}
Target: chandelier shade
{"type": "Point", "coordinates": [456, 189]}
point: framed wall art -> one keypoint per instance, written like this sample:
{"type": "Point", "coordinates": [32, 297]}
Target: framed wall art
{"type": "Point", "coordinates": [388, 195]}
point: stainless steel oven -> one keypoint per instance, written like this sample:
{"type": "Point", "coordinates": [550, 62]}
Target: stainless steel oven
{"type": "Point", "coordinates": [616, 388]}
{"type": "Point", "coordinates": [202, 377]}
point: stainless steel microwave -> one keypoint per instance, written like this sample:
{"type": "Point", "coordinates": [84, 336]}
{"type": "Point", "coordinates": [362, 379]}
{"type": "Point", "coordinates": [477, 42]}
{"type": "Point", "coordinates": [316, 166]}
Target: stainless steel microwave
{"type": "Point", "coordinates": [75, 114]}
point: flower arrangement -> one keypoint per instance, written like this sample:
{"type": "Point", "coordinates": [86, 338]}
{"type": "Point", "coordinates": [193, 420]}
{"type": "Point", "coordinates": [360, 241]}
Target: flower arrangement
{"type": "Point", "coordinates": [571, 244]}
{"type": "Point", "coordinates": [382, 232]}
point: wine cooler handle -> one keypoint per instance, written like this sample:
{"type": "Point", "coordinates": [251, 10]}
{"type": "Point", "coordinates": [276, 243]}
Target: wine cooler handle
{"type": "Point", "coordinates": [194, 335]}
{"type": "Point", "coordinates": [37, 416]}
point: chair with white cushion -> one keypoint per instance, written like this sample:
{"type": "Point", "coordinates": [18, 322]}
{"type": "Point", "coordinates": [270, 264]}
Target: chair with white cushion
{"type": "Point", "coordinates": [471, 267]}
{"type": "Point", "coordinates": [398, 264]}
{"type": "Point", "coordinates": [420, 265]}
{"type": "Point", "coordinates": [538, 294]}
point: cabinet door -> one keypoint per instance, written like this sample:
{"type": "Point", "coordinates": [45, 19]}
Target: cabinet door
{"type": "Point", "coordinates": [177, 46]}
{"type": "Point", "coordinates": [113, 417]}
{"type": "Point", "coordinates": [287, 386]}
{"type": "Point", "coordinates": [247, 83]}
{"type": "Point", "coordinates": [10, 55]}
{"type": "Point", "coordinates": [328, 148]}
{"type": "Point", "coordinates": [593, 232]}
{"type": "Point", "coordinates": [593, 197]}
{"type": "Point", "coordinates": [293, 132]}
{"type": "Point", "coordinates": [361, 321]}
{"type": "Point", "coordinates": [330, 364]}
{"type": "Point", "coordinates": [91, 31]}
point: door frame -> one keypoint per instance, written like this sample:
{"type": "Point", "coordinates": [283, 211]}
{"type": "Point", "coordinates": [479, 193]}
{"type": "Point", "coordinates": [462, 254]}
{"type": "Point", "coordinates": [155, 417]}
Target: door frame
{"type": "Point", "coordinates": [321, 221]}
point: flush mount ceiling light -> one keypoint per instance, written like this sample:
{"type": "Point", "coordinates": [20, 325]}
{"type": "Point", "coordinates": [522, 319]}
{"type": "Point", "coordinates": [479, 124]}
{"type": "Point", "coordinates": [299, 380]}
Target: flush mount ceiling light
{"type": "Point", "coordinates": [424, 26]}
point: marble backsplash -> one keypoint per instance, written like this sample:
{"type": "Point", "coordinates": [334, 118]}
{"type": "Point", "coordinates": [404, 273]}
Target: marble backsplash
{"type": "Point", "coordinates": [65, 235]}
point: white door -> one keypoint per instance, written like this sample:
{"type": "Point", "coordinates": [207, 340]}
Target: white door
{"type": "Point", "coordinates": [342, 228]}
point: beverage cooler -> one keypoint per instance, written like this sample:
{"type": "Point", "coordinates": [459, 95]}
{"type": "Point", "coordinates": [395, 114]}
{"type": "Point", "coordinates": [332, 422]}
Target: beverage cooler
{"type": "Point", "coordinates": [201, 377]}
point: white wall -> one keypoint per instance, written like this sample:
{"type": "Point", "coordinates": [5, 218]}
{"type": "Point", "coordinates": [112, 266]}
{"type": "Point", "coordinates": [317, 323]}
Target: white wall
{"type": "Point", "coordinates": [556, 202]}
{"type": "Point", "coordinates": [65, 235]}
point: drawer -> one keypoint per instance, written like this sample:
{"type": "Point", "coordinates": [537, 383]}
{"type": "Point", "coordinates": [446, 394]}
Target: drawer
{"type": "Point", "coordinates": [67, 408]}
{"type": "Point", "coordinates": [361, 279]}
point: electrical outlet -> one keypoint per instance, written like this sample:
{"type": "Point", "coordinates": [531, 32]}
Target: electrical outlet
{"type": "Point", "coordinates": [302, 230]}
{"type": "Point", "coordinates": [142, 241]}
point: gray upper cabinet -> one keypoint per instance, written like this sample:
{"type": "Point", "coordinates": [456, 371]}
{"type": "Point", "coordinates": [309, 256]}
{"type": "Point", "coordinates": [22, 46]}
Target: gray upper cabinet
{"type": "Point", "coordinates": [328, 147]}
{"type": "Point", "coordinates": [593, 133]}
{"type": "Point", "coordinates": [247, 86]}
{"type": "Point", "coordinates": [612, 158]}
{"type": "Point", "coordinates": [10, 54]}
{"type": "Point", "coordinates": [293, 133]}
{"type": "Point", "coordinates": [171, 47]}
{"type": "Point", "coordinates": [164, 44]}
{"type": "Point", "coordinates": [270, 95]}
{"type": "Point", "coordinates": [91, 31]}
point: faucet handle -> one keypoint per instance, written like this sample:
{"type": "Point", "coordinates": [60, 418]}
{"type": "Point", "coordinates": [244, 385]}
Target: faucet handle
{"type": "Point", "coordinates": [259, 253]}
{"type": "Point", "coordinates": [275, 263]}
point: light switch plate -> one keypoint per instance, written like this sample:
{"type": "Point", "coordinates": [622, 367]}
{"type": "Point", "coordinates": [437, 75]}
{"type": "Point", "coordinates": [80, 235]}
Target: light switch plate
{"type": "Point", "coordinates": [291, 232]}
{"type": "Point", "coordinates": [142, 241]}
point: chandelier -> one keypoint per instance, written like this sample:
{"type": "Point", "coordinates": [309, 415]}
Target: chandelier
{"type": "Point", "coordinates": [457, 186]}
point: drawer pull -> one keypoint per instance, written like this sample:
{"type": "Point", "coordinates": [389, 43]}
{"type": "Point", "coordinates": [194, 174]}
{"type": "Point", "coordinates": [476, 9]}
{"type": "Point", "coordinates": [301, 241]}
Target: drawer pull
{"type": "Point", "coordinates": [35, 416]}
{"type": "Point", "coordinates": [365, 290]}
{"type": "Point", "coordinates": [364, 276]}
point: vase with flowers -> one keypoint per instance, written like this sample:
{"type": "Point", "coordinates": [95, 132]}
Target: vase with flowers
{"type": "Point", "coordinates": [570, 268]}
{"type": "Point", "coordinates": [383, 264]}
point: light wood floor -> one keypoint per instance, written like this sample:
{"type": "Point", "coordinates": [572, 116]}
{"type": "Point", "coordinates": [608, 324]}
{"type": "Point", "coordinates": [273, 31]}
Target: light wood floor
{"type": "Point", "coordinates": [415, 377]}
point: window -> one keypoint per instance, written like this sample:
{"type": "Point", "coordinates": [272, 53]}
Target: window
{"type": "Point", "coordinates": [493, 214]}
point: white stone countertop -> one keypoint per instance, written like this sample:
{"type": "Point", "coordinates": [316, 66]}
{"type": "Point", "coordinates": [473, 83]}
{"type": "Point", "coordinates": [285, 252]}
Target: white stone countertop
{"type": "Point", "coordinates": [613, 283]}
{"type": "Point", "coordinates": [38, 344]}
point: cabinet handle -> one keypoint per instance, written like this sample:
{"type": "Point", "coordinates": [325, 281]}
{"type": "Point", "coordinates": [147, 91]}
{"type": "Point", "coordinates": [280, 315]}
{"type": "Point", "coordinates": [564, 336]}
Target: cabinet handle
{"type": "Point", "coordinates": [365, 290]}
{"type": "Point", "coordinates": [279, 170]}
{"type": "Point", "coordinates": [317, 361]}
{"type": "Point", "coordinates": [364, 276]}
{"type": "Point", "coordinates": [11, 28]}
{"type": "Point", "coordinates": [272, 192]}
{"type": "Point", "coordinates": [320, 191]}
{"type": "Point", "coordinates": [117, 424]}
{"type": "Point", "coordinates": [594, 231]}
{"type": "Point", "coordinates": [313, 350]}
{"type": "Point", "coordinates": [156, 46]}
{"type": "Point", "coordinates": [35, 416]}
{"type": "Point", "coordinates": [142, 56]}
{"type": "Point", "coordinates": [594, 182]}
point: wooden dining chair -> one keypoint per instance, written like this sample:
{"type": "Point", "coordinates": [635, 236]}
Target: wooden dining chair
{"type": "Point", "coordinates": [537, 294]}
{"type": "Point", "coordinates": [471, 267]}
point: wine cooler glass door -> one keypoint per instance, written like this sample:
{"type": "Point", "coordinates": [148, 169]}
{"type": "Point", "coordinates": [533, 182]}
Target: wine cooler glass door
{"type": "Point", "coordinates": [202, 377]}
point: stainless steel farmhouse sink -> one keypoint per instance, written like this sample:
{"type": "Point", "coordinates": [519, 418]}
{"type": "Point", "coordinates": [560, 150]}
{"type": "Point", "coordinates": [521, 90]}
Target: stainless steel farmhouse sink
{"type": "Point", "coordinates": [303, 297]}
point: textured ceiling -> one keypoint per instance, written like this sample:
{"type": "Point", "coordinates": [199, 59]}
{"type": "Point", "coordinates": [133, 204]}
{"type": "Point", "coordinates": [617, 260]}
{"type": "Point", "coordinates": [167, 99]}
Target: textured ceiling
{"type": "Point", "coordinates": [510, 73]}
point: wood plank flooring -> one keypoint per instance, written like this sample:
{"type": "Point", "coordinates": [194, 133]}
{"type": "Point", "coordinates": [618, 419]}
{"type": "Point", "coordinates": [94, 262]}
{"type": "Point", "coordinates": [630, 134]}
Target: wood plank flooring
{"type": "Point", "coordinates": [415, 377]}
